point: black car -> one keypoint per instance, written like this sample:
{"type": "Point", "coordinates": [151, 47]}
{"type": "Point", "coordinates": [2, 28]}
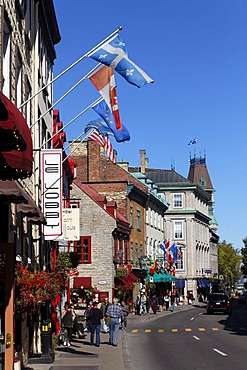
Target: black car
{"type": "Point", "coordinates": [219, 302]}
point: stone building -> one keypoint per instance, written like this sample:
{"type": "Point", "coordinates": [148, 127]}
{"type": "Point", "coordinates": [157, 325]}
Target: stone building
{"type": "Point", "coordinates": [104, 232]}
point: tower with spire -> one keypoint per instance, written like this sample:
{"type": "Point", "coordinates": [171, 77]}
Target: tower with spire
{"type": "Point", "coordinates": [199, 175]}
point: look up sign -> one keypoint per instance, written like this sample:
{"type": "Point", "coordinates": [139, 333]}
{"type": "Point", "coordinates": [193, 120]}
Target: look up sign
{"type": "Point", "coordinates": [51, 188]}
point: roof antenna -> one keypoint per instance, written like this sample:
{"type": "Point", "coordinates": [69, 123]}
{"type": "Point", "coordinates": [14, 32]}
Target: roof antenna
{"type": "Point", "coordinates": [172, 164]}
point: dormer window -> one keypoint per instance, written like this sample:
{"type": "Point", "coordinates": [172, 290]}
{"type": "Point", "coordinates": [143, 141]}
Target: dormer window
{"type": "Point", "coordinates": [202, 182]}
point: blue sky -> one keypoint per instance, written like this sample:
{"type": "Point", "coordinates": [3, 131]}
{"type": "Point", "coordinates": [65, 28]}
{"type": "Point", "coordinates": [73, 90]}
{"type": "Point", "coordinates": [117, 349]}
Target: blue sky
{"type": "Point", "coordinates": [196, 53]}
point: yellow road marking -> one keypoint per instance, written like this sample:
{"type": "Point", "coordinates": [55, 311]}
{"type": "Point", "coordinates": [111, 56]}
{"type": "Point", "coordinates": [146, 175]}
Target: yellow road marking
{"type": "Point", "coordinates": [148, 331]}
{"type": "Point", "coordinates": [201, 329]}
{"type": "Point", "coordinates": [161, 330]}
{"type": "Point", "coordinates": [188, 329]}
{"type": "Point", "coordinates": [134, 331]}
{"type": "Point", "coordinates": [174, 330]}
{"type": "Point", "coordinates": [215, 329]}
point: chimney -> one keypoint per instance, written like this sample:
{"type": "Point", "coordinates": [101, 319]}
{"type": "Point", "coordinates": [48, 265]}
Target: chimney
{"type": "Point", "coordinates": [143, 160]}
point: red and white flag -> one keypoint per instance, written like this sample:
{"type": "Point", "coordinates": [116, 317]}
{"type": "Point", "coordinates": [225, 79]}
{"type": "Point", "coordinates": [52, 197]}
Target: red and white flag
{"type": "Point", "coordinates": [105, 142]}
{"type": "Point", "coordinates": [104, 81]}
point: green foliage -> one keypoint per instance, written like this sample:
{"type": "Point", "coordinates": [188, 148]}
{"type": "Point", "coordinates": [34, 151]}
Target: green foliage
{"type": "Point", "coordinates": [229, 262]}
{"type": "Point", "coordinates": [244, 257]}
{"type": "Point", "coordinates": [63, 261]}
{"type": "Point", "coordinates": [121, 272]}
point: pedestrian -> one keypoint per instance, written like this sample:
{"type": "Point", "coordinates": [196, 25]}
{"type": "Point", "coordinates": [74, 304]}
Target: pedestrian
{"type": "Point", "coordinates": [125, 309]}
{"type": "Point", "coordinates": [103, 307]}
{"type": "Point", "coordinates": [137, 305]}
{"type": "Point", "coordinates": [161, 302]}
{"type": "Point", "coordinates": [154, 304]}
{"type": "Point", "coordinates": [172, 301]}
{"type": "Point", "coordinates": [88, 322]}
{"type": "Point", "coordinates": [116, 314]}
{"type": "Point", "coordinates": [143, 302]}
{"type": "Point", "coordinates": [68, 316]}
{"type": "Point", "coordinates": [166, 299]}
{"type": "Point", "coordinates": [95, 316]}
{"type": "Point", "coordinates": [147, 304]}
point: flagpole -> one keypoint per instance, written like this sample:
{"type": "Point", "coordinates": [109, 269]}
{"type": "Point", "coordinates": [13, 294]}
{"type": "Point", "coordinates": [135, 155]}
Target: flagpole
{"type": "Point", "coordinates": [72, 65]}
{"type": "Point", "coordinates": [62, 97]}
{"type": "Point", "coordinates": [72, 120]}
{"type": "Point", "coordinates": [85, 137]}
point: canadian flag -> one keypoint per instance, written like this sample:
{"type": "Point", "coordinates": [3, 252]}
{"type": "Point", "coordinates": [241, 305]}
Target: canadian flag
{"type": "Point", "coordinates": [104, 81]}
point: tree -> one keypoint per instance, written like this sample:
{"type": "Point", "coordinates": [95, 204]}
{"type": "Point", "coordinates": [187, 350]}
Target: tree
{"type": "Point", "coordinates": [229, 262]}
{"type": "Point", "coordinates": [244, 259]}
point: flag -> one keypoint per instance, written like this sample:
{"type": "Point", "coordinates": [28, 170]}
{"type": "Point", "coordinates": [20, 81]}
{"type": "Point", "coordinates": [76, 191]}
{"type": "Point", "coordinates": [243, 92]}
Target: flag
{"type": "Point", "coordinates": [105, 142]}
{"type": "Point", "coordinates": [99, 126]}
{"type": "Point", "coordinates": [180, 255]}
{"type": "Point", "coordinates": [174, 251]}
{"type": "Point", "coordinates": [163, 247]}
{"type": "Point", "coordinates": [194, 141]}
{"type": "Point", "coordinates": [113, 54]}
{"type": "Point", "coordinates": [104, 112]}
{"type": "Point", "coordinates": [104, 81]}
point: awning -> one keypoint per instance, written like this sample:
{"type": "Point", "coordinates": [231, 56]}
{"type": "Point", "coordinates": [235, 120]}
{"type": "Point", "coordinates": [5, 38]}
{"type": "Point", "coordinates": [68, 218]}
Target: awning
{"type": "Point", "coordinates": [160, 277]}
{"type": "Point", "coordinates": [16, 149]}
{"type": "Point", "coordinates": [82, 282]}
{"type": "Point", "coordinates": [131, 278]}
{"type": "Point", "coordinates": [31, 211]}
{"type": "Point", "coordinates": [13, 192]}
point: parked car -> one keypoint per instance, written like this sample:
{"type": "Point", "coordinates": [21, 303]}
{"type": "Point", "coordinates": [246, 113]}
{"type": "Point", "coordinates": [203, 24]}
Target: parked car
{"type": "Point", "coordinates": [219, 302]}
{"type": "Point", "coordinates": [242, 297]}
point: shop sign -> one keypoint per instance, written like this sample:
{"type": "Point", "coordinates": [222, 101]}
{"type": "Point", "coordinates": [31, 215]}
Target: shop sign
{"type": "Point", "coordinates": [51, 192]}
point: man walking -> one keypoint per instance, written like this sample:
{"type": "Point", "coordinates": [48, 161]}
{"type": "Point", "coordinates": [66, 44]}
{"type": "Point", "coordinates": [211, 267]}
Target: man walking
{"type": "Point", "coordinates": [95, 315]}
{"type": "Point", "coordinates": [104, 306]}
{"type": "Point", "coordinates": [116, 315]}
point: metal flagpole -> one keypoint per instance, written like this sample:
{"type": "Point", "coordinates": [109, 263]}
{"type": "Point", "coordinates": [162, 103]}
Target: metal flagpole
{"type": "Point", "coordinates": [72, 120]}
{"type": "Point", "coordinates": [88, 133]}
{"type": "Point", "coordinates": [71, 66]}
{"type": "Point", "coordinates": [62, 97]}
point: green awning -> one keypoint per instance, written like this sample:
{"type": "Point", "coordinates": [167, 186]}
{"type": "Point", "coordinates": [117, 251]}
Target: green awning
{"type": "Point", "coordinates": [161, 276]}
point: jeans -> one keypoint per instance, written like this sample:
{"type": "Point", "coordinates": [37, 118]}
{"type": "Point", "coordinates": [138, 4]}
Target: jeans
{"type": "Point", "coordinates": [95, 328]}
{"type": "Point", "coordinates": [114, 329]}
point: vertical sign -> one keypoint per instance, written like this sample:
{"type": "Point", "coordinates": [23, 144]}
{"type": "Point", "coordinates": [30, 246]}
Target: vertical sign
{"type": "Point", "coordinates": [51, 189]}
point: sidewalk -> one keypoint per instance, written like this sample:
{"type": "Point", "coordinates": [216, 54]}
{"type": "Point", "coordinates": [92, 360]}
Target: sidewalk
{"type": "Point", "coordinates": [82, 356]}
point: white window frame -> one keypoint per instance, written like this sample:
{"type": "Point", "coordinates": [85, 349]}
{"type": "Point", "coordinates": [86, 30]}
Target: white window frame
{"type": "Point", "coordinates": [177, 200]}
{"type": "Point", "coordinates": [178, 229]}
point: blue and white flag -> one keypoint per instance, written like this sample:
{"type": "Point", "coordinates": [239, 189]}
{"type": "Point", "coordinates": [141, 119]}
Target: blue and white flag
{"type": "Point", "coordinates": [113, 54]}
{"type": "Point", "coordinates": [174, 251]}
{"type": "Point", "coordinates": [104, 112]}
{"type": "Point", "coordinates": [163, 247]}
{"type": "Point", "coordinates": [194, 141]}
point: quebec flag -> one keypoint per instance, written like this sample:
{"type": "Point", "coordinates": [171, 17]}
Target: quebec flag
{"type": "Point", "coordinates": [113, 54]}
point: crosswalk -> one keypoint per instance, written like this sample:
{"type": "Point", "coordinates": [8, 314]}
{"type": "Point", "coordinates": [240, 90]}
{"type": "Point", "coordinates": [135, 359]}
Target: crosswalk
{"type": "Point", "coordinates": [173, 330]}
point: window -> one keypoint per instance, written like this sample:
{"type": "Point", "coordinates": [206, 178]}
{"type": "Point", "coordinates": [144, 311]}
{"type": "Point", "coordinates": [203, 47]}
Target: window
{"type": "Point", "coordinates": [180, 261]}
{"type": "Point", "coordinates": [131, 217]}
{"type": "Point", "coordinates": [177, 201]}
{"type": "Point", "coordinates": [138, 220]}
{"type": "Point", "coordinates": [83, 249]}
{"type": "Point", "coordinates": [131, 252]}
{"type": "Point", "coordinates": [178, 229]}
{"type": "Point", "coordinates": [202, 182]}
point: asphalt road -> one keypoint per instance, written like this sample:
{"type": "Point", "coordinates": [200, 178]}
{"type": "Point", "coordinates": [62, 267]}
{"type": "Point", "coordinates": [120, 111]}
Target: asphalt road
{"type": "Point", "coordinates": [189, 339]}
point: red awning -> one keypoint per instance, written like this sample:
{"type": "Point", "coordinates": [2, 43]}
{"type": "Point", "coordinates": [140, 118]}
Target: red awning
{"type": "Point", "coordinates": [16, 156]}
{"type": "Point", "coordinates": [82, 282]}
{"type": "Point", "coordinates": [131, 278]}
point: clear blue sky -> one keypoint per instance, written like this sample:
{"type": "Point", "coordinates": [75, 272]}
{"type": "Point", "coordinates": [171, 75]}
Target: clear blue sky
{"type": "Point", "coordinates": [196, 52]}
